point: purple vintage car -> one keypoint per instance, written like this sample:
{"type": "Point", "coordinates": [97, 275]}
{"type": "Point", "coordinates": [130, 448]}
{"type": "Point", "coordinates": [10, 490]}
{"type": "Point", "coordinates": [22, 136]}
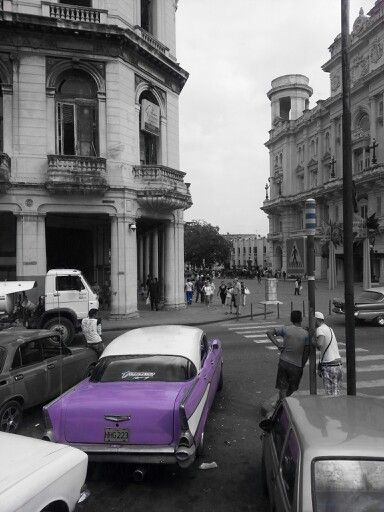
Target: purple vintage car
{"type": "Point", "coordinates": [147, 400]}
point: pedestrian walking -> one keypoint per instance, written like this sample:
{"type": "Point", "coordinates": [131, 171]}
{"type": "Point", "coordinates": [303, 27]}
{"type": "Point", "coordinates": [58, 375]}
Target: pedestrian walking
{"type": "Point", "coordinates": [154, 293]}
{"type": "Point", "coordinates": [236, 295]}
{"type": "Point", "coordinates": [199, 285]}
{"type": "Point", "coordinates": [284, 275]}
{"type": "Point", "coordinates": [330, 364]}
{"type": "Point", "coordinates": [207, 293]}
{"type": "Point", "coordinates": [294, 352]}
{"type": "Point", "coordinates": [189, 291]}
{"type": "Point", "coordinates": [244, 293]}
{"type": "Point", "coordinates": [223, 293]}
{"type": "Point", "coordinates": [259, 276]}
{"type": "Point", "coordinates": [297, 287]}
{"type": "Point", "coordinates": [91, 328]}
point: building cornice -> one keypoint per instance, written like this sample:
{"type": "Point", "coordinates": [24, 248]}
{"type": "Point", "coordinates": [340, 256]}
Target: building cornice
{"type": "Point", "coordinates": [99, 40]}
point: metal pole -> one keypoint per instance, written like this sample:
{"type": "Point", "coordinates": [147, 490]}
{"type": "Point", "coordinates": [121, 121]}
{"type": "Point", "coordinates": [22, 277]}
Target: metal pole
{"type": "Point", "coordinates": [251, 311]}
{"type": "Point", "coordinates": [310, 225]}
{"type": "Point", "coordinates": [278, 310]}
{"type": "Point", "coordinates": [347, 203]}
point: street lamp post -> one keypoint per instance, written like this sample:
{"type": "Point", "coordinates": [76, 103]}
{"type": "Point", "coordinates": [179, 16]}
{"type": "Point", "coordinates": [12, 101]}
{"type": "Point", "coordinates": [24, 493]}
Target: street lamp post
{"type": "Point", "coordinates": [373, 147]}
{"type": "Point", "coordinates": [310, 226]}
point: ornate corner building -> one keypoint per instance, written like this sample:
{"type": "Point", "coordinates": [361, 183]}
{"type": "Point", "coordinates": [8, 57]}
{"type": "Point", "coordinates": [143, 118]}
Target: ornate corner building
{"type": "Point", "coordinates": [305, 149]}
{"type": "Point", "coordinates": [89, 144]}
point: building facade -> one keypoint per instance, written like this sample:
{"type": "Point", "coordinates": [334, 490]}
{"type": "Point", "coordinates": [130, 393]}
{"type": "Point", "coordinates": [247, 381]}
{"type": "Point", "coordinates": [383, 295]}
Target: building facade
{"type": "Point", "coordinates": [305, 147]}
{"type": "Point", "coordinates": [89, 144]}
{"type": "Point", "coordinates": [248, 251]}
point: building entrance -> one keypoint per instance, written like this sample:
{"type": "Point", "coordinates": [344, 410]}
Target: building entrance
{"type": "Point", "coordinates": [82, 242]}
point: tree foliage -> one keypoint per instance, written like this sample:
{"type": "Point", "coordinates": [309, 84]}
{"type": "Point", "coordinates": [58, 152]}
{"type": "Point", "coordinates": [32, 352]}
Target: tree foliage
{"type": "Point", "coordinates": [204, 246]}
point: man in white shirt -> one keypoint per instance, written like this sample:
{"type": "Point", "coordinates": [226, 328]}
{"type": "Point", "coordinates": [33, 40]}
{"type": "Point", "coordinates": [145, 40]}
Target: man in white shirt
{"type": "Point", "coordinates": [91, 328]}
{"type": "Point", "coordinates": [330, 365]}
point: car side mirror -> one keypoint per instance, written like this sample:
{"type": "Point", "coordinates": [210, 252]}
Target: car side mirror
{"type": "Point", "coordinates": [215, 345]}
{"type": "Point", "coordinates": [266, 425]}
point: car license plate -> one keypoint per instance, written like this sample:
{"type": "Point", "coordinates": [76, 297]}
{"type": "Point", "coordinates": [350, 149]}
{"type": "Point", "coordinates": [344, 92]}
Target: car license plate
{"type": "Point", "coordinates": [116, 435]}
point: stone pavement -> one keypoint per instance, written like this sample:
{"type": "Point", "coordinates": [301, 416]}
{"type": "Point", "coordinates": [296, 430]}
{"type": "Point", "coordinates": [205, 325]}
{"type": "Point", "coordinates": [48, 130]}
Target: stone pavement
{"type": "Point", "coordinates": [198, 313]}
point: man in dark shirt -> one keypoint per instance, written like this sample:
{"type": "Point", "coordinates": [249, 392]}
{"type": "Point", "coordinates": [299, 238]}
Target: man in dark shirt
{"type": "Point", "coordinates": [294, 350]}
{"type": "Point", "coordinates": [154, 293]}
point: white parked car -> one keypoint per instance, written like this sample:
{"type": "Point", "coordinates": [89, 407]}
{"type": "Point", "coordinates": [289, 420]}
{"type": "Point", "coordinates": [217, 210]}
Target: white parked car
{"type": "Point", "coordinates": [37, 476]}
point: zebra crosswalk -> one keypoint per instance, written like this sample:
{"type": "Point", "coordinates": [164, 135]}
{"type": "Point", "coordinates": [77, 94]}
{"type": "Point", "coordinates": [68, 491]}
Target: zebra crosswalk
{"type": "Point", "coordinates": [369, 367]}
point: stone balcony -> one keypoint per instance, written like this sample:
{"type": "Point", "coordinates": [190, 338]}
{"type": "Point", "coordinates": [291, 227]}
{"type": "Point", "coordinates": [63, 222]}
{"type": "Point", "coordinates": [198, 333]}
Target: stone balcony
{"type": "Point", "coordinates": [161, 188]}
{"type": "Point", "coordinates": [74, 13]}
{"type": "Point", "coordinates": [5, 173]}
{"type": "Point", "coordinates": [84, 175]}
{"type": "Point", "coordinates": [151, 40]}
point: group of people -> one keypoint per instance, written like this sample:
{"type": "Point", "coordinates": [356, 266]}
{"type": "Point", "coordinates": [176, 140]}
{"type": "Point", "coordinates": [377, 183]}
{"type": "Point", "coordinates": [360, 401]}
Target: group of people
{"type": "Point", "coordinates": [294, 352]}
{"type": "Point", "coordinates": [232, 294]}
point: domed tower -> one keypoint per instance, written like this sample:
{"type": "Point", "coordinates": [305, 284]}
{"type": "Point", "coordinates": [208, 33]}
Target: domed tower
{"type": "Point", "coordinates": [289, 97]}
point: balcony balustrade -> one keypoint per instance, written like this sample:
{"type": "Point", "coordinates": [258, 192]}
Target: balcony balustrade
{"type": "Point", "coordinates": [76, 175]}
{"type": "Point", "coordinates": [162, 189]}
{"type": "Point", "coordinates": [74, 13]}
{"type": "Point", "coordinates": [5, 173]}
{"type": "Point", "coordinates": [150, 39]}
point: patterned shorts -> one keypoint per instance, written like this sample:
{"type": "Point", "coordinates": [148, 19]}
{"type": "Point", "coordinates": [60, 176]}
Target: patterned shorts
{"type": "Point", "coordinates": [332, 378]}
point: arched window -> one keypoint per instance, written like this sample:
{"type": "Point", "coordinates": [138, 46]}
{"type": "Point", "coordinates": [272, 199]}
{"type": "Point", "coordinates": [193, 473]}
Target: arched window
{"type": "Point", "coordinates": [149, 129]}
{"type": "Point", "coordinates": [362, 122]}
{"type": "Point", "coordinates": [77, 115]}
{"type": "Point", "coordinates": [1, 121]}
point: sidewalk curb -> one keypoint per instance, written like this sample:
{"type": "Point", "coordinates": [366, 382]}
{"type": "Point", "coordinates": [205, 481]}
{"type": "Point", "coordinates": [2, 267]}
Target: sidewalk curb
{"type": "Point", "coordinates": [189, 324]}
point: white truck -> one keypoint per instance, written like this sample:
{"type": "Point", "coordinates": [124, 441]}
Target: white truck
{"type": "Point", "coordinates": [66, 300]}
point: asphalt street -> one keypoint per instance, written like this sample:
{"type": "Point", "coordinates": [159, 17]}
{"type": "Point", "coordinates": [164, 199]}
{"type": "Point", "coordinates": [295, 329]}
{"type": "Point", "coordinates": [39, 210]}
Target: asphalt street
{"type": "Point", "coordinates": [232, 434]}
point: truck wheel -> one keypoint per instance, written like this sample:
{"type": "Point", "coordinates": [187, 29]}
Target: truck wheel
{"type": "Point", "coordinates": [63, 326]}
{"type": "Point", "coordinates": [10, 416]}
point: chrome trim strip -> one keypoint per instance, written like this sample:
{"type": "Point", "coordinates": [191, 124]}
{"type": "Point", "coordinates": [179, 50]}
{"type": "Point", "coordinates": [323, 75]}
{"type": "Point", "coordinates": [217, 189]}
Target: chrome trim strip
{"type": "Point", "coordinates": [128, 449]}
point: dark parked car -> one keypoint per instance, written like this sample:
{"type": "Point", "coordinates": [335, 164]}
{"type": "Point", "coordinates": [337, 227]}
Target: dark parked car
{"type": "Point", "coordinates": [369, 305]}
{"type": "Point", "coordinates": [34, 368]}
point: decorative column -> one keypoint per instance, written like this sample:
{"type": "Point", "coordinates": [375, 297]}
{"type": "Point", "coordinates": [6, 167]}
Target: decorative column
{"type": "Point", "coordinates": [31, 256]}
{"type": "Point", "coordinates": [101, 96]}
{"type": "Point", "coordinates": [51, 121]}
{"type": "Point", "coordinates": [147, 247]}
{"type": "Point", "coordinates": [136, 157]}
{"type": "Point", "coordinates": [140, 266]}
{"type": "Point", "coordinates": [7, 92]}
{"type": "Point", "coordinates": [366, 264]}
{"type": "Point", "coordinates": [179, 256]}
{"type": "Point", "coordinates": [162, 261]}
{"type": "Point", "coordinates": [164, 141]}
{"type": "Point", "coordinates": [123, 268]}
{"type": "Point", "coordinates": [169, 264]}
{"type": "Point", "coordinates": [372, 117]}
{"type": "Point", "coordinates": [155, 253]}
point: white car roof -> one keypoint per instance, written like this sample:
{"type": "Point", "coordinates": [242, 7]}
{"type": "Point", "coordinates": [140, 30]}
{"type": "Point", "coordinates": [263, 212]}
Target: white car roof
{"type": "Point", "coordinates": [176, 340]}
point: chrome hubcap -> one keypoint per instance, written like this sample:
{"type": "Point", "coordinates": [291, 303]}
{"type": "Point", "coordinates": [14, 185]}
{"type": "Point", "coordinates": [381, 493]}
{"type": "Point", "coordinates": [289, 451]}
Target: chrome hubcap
{"type": "Point", "coordinates": [10, 419]}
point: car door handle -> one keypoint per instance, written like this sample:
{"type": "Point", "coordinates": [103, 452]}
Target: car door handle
{"type": "Point", "coordinates": [51, 365]}
{"type": "Point", "coordinates": [56, 294]}
{"type": "Point", "coordinates": [3, 383]}
{"type": "Point", "coordinates": [19, 377]}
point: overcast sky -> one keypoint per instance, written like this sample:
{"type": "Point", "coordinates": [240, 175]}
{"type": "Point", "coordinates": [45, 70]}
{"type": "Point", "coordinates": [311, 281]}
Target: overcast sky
{"type": "Point", "coordinates": [232, 50]}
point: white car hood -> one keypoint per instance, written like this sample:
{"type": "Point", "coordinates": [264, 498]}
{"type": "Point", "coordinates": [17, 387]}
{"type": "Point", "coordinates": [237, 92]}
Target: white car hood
{"type": "Point", "coordinates": [23, 456]}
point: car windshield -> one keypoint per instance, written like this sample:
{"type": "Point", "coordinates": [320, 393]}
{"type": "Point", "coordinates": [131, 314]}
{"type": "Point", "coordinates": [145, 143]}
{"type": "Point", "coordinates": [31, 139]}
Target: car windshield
{"type": "Point", "coordinates": [347, 484]}
{"type": "Point", "coordinates": [143, 368]}
{"type": "Point", "coordinates": [369, 296]}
